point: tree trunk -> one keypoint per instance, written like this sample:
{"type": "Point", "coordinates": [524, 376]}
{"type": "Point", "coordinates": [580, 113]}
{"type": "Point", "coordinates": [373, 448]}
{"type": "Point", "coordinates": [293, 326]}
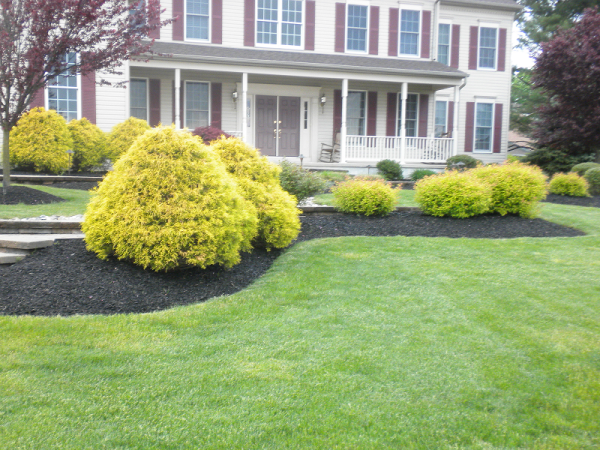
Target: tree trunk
{"type": "Point", "coordinates": [5, 162]}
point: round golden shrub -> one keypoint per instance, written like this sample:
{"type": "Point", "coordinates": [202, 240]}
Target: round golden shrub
{"type": "Point", "coordinates": [123, 135]}
{"type": "Point", "coordinates": [364, 196]}
{"type": "Point", "coordinates": [89, 144]}
{"type": "Point", "coordinates": [453, 193]}
{"type": "Point", "coordinates": [40, 141]}
{"type": "Point", "coordinates": [516, 188]}
{"type": "Point", "coordinates": [258, 179]}
{"type": "Point", "coordinates": [568, 184]}
{"type": "Point", "coordinates": [169, 203]}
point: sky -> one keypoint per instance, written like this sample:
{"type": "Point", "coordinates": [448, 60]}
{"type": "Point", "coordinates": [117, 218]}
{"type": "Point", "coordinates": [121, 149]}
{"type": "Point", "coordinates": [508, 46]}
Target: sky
{"type": "Point", "coordinates": [520, 57]}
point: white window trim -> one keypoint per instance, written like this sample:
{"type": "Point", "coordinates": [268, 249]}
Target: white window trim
{"type": "Point", "coordinates": [488, 25]}
{"type": "Point", "coordinates": [366, 50]}
{"type": "Point", "coordinates": [366, 109]}
{"type": "Point", "coordinates": [279, 22]}
{"type": "Point", "coordinates": [185, 14]}
{"type": "Point", "coordinates": [147, 96]}
{"type": "Point", "coordinates": [493, 103]}
{"type": "Point", "coordinates": [410, 8]}
{"type": "Point", "coordinates": [444, 22]}
{"type": "Point", "coordinates": [398, 118]}
{"type": "Point", "coordinates": [185, 83]}
{"type": "Point", "coordinates": [47, 99]}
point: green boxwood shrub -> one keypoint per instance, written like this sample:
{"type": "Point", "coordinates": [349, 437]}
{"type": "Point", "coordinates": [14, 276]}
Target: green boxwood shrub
{"type": "Point", "coordinates": [123, 135]}
{"type": "Point", "coordinates": [568, 184]}
{"type": "Point", "coordinates": [581, 169]}
{"type": "Point", "coordinates": [453, 193]}
{"type": "Point", "coordinates": [365, 197]}
{"type": "Point", "coordinates": [592, 176]}
{"type": "Point", "coordinates": [300, 182]}
{"type": "Point", "coordinates": [421, 173]}
{"type": "Point", "coordinates": [468, 161]}
{"type": "Point", "coordinates": [169, 203]}
{"type": "Point", "coordinates": [516, 188]}
{"type": "Point", "coordinates": [258, 180]}
{"type": "Point", "coordinates": [389, 170]}
{"type": "Point", "coordinates": [89, 144]}
{"type": "Point", "coordinates": [40, 141]}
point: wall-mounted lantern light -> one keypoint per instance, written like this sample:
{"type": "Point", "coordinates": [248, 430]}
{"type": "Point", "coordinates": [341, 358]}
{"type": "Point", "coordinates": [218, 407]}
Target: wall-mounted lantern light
{"type": "Point", "coordinates": [322, 101]}
{"type": "Point", "coordinates": [234, 97]}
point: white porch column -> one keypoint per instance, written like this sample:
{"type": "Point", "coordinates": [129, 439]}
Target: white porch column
{"type": "Point", "coordinates": [177, 99]}
{"type": "Point", "coordinates": [455, 123]}
{"type": "Point", "coordinates": [404, 96]}
{"type": "Point", "coordinates": [343, 131]}
{"type": "Point", "coordinates": [245, 107]}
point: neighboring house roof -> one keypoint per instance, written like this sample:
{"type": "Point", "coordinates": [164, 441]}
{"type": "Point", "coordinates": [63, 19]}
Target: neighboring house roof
{"type": "Point", "coordinates": [277, 58]}
{"type": "Point", "coordinates": [509, 5]}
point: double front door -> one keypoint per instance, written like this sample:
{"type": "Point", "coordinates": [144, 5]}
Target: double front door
{"type": "Point", "coordinates": [277, 131]}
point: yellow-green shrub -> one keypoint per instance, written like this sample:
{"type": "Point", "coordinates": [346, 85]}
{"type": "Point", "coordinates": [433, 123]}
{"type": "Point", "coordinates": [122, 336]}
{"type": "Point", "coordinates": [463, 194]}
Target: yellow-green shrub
{"type": "Point", "coordinates": [366, 197]}
{"type": "Point", "coordinates": [258, 180]}
{"type": "Point", "coordinates": [123, 135]}
{"type": "Point", "coordinates": [516, 188]}
{"type": "Point", "coordinates": [89, 144]}
{"type": "Point", "coordinates": [568, 184]}
{"type": "Point", "coordinates": [453, 193]}
{"type": "Point", "coordinates": [169, 203]}
{"type": "Point", "coordinates": [40, 141]}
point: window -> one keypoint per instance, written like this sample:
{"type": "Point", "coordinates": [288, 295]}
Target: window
{"type": "Point", "coordinates": [412, 114]}
{"type": "Point", "coordinates": [356, 113]}
{"type": "Point", "coordinates": [273, 28]}
{"type": "Point", "coordinates": [138, 98]}
{"type": "Point", "coordinates": [410, 25]}
{"type": "Point", "coordinates": [444, 43]}
{"type": "Point", "coordinates": [484, 119]}
{"type": "Point", "coordinates": [197, 13]}
{"type": "Point", "coordinates": [356, 33]}
{"type": "Point", "coordinates": [196, 104]}
{"type": "Point", "coordinates": [441, 117]}
{"type": "Point", "coordinates": [63, 91]}
{"type": "Point", "coordinates": [487, 47]}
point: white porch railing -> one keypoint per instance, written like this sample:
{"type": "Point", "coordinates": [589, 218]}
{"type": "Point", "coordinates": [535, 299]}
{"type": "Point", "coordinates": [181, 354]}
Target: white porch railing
{"type": "Point", "coordinates": [236, 134]}
{"type": "Point", "coordinates": [417, 149]}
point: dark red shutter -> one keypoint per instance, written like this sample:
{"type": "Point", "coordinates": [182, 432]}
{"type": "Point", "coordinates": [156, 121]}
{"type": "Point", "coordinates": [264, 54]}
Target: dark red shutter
{"type": "Point", "coordinates": [249, 19]}
{"type": "Point", "coordinates": [179, 23]}
{"type": "Point", "coordinates": [393, 33]}
{"type": "Point", "coordinates": [337, 111]}
{"type": "Point", "coordinates": [38, 99]}
{"type": "Point", "coordinates": [470, 126]}
{"type": "Point", "coordinates": [340, 27]}
{"type": "Point", "coordinates": [372, 113]}
{"type": "Point", "coordinates": [502, 50]}
{"type": "Point", "coordinates": [473, 45]}
{"type": "Point", "coordinates": [154, 90]}
{"type": "Point", "coordinates": [498, 128]}
{"type": "Point", "coordinates": [309, 30]}
{"type": "Point", "coordinates": [450, 119]}
{"type": "Point", "coordinates": [390, 119]}
{"type": "Point", "coordinates": [423, 112]}
{"type": "Point", "coordinates": [88, 97]}
{"type": "Point", "coordinates": [217, 22]}
{"type": "Point", "coordinates": [155, 34]}
{"type": "Point", "coordinates": [215, 104]}
{"type": "Point", "coordinates": [426, 35]}
{"type": "Point", "coordinates": [374, 31]}
{"type": "Point", "coordinates": [454, 56]}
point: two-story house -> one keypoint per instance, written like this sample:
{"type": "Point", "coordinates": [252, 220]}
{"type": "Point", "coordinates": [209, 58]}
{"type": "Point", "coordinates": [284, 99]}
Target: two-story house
{"type": "Point", "coordinates": [416, 81]}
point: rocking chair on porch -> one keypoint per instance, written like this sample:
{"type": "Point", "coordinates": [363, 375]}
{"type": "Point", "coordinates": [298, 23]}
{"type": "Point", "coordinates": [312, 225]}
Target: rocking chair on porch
{"type": "Point", "coordinates": [331, 153]}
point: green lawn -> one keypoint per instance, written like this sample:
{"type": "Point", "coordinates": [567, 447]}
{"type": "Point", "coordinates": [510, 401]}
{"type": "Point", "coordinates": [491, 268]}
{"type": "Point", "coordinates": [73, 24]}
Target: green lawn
{"type": "Point", "coordinates": [404, 198]}
{"type": "Point", "coordinates": [76, 203]}
{"type": "Point", "coordinates": [362, 343]}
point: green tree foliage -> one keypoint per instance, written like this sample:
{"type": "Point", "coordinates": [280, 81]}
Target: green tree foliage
{"type": "Point", "coordinates": [123, 135]}
{"type": "Point", "coordinates": [525, 100]}
{"type": "Point", "coordinates": [40, 141]}
{"type": "Point", "coordinates": [169, 203]}
{"type": "Point", "coordinates": [89, 144]}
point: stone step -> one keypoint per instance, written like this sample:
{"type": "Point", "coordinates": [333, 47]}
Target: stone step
{"type": "Point", "coordinates": [16, 251]}
{"type": "Point", "coordinates": [10, 258]}
{"type": "Point", "coordinates": [13, 248]}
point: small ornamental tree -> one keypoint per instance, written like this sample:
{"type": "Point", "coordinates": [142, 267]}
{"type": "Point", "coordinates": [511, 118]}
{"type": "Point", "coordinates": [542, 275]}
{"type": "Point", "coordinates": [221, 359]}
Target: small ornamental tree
{"type": "Point", "coordinates": [568, 71]}
{"type": "Point", "coordinates": [89, 144]}
{"type": "Point", "coordinates": [35, 36]}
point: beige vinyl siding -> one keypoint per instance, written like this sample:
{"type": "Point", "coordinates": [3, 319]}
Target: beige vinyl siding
{"type": "Point", "coordinates": [112, 105]}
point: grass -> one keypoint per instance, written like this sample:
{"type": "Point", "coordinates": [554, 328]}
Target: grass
{"type": "Point", "coordinates": [345, 343]}
{"type": "Point", "coordinates": [404, 198]}
{"type": "Point", "coordinates": [76, 202]}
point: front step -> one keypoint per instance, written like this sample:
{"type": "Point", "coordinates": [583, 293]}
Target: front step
{"type": "Point", "coordinates": [10, 258]}
{"type": "Point", "coordinates": [14, 248]}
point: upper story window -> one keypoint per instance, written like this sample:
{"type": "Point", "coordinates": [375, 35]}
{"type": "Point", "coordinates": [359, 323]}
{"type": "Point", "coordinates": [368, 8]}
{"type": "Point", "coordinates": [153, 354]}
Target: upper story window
{"type": "Point", "coordinates": [138, 98]}
{"type": "Point", "coordinates": [197, 13]}
{"type": "Point", "coordinates": [488, 41]}
{"type": "Point", "coordinates": [410, 30]}
{"type": "Point", "coordinates": [279, 22]}
{"type": "Point", "coordinates": [412, 114]}
{"type": "Point", "coordinates": [484, 120]}
{"type": "Point", "coordinates": [63, 91]}
{"type": "Point", "coordinates": [356, 32]}
{"type": "Point", "coordinates": [443, 55]}
{"type": "Point", "coordinates": [356, 113]}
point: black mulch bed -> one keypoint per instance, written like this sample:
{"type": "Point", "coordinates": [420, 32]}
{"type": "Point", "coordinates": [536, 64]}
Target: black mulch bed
{"type": "Point", "coordinates": [27, 196]}
{"type": "Point", "coordinates": [577, 201]}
